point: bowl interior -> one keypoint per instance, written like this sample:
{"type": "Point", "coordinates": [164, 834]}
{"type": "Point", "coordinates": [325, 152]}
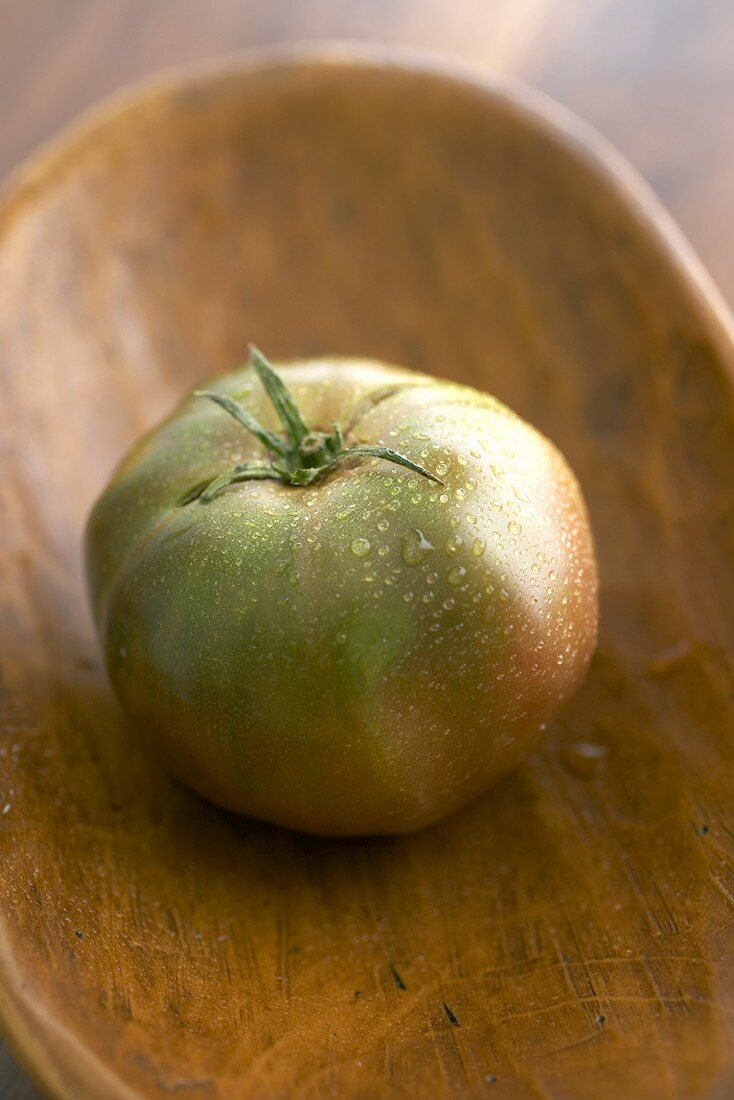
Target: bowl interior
{"type": "Point", "coordinates": [574, 926]}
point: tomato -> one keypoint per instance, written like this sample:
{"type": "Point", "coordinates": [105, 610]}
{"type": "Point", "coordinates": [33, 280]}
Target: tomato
{"type": "Point", "coordinates": [345, 630]}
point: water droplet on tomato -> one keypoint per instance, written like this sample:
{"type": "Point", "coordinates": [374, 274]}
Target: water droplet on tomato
{"type": "Point", "coordinates": [361, 547]}
{"type": "Point", "coordinates": [415, 547]}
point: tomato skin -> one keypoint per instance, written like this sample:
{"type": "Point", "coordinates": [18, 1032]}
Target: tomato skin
{"type": "Point", "coordinates": [360, 655]}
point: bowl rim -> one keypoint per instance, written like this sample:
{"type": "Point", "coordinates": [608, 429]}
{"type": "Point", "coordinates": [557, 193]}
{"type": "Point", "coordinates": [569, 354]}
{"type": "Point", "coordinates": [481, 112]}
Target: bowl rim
{"type": "Point", "coordinates": [532, 108]}
{"type": "Point", "coordinates": [57, 1060]}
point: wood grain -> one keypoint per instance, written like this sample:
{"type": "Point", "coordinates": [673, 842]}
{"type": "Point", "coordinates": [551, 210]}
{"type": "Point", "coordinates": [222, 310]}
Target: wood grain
{"type": "Point", "coordinates": [568, 935]}
{"type": "Point", "coordinates": [656, 76]}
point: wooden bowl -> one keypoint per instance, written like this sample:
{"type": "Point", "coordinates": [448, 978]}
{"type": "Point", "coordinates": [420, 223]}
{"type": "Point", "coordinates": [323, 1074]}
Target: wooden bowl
{"type": "Point", "coordinates": [569, 935]}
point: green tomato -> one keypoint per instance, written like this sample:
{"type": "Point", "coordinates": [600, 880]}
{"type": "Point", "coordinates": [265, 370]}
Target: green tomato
{"type": "Point", "coordinates": [345, 631]}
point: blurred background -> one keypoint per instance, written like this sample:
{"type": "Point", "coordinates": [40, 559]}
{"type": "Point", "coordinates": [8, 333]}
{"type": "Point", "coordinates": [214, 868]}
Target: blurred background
{"type": "Point", "coordinates": [655, 76]}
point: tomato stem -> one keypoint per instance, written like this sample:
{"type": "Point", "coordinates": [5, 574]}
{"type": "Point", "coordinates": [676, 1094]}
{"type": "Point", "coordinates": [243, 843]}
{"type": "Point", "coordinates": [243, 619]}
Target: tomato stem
{"type": "Point", "coordinates": [302, 456]}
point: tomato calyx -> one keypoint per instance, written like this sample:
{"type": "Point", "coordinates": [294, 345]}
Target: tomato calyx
{"type": "Point", "coordinates": [299, 455]}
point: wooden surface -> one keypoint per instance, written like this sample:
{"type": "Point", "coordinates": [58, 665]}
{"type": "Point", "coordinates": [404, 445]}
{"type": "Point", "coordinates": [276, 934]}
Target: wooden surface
{"type": "Point", "coordinates": [656, 78]}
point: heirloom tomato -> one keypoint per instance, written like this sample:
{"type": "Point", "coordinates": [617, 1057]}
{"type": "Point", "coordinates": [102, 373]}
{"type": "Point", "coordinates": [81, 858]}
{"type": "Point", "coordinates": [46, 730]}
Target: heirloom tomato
{"type": "Point", "coordinates": [342, 596]}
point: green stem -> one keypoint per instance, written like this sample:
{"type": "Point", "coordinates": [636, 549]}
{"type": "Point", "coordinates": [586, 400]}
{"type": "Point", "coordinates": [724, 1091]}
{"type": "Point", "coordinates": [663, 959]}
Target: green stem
{"type": "Point", "coordinates": [304, 455]}
{"type": "Point", "coordinates": [280, 398]}
{"type": "Point", "coordinates": [390, 456]}
{"type": "Point", "coordinates": [267, 438]}
{"type": "Point", "coordinates": [248, 471]}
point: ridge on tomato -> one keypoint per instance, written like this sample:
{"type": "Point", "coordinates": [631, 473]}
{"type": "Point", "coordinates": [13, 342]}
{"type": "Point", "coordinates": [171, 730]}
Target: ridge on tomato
{"type": "Point", "coordinates": [342, 596]}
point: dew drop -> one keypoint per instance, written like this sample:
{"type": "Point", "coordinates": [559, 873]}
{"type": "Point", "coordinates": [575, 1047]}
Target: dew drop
{"type": "Point", "coordinates": [584, 758]}
{"type": "Point", "coordinates": [457, 575]}
{"type": "Point", "coordinates": [478, 547]}
{"type": "Point", "coordinates": [514, 527]}
{"type": "Point", "coordinates": [442, 469]}
{"type": "Point", "coordinates": [670, 660]}
{"type": "Point", "coordinates": [415, 547]}
{"type": "Point", "coordinates": [383, 524]}
{"type": "Point", "coordinates": [470, 518]}
{"type": "Point", "coordinates": [449, 603]}
{"type": "Point", "coordinates": [361, 547]}
{"type": "Point", "coordinates": [453, 542]}
{"type": "Point", "coordinates": [431, 578]}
